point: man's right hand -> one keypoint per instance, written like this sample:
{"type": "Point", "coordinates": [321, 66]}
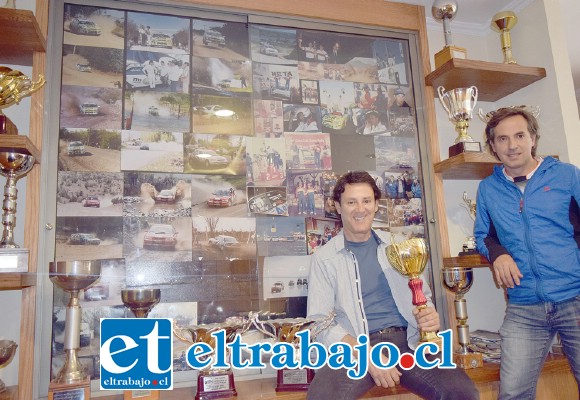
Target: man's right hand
{"type": "Point", "coordinates": [384, 377]}
{"type": "Point", "coordinates": [506, 271]}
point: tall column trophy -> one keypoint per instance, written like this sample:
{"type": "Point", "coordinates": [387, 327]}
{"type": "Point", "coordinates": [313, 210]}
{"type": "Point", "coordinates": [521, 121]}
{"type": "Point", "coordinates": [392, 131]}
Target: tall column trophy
{"type": "Point", "coordinates": [459, 104]}
{"type": "Point", "coordinates": [7, 351]}
{"type": "Point", "coordinates": [213, 383]}
{"type": "Point", "coordinates": [140, 301]}
{"type": "Point", "coordinates": [504, 22]}
{"type": "Point", "coordinates": [285, 330]}
{"type": "Point", "coordinates": [15, 162]}
{"type": "Point", "coordinates": [72, 382]}
{"type": "Point", "coordinates": [458, 280]}
{"type": "Point", "coordinates": [445, 11]}
{"type": "Point", "coordinates": [410, 257]}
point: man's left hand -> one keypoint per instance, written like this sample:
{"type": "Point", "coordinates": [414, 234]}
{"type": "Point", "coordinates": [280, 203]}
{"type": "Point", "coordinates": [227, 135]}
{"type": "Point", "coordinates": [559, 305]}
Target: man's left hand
{"type": "Point", "coordinates": [427, 319]}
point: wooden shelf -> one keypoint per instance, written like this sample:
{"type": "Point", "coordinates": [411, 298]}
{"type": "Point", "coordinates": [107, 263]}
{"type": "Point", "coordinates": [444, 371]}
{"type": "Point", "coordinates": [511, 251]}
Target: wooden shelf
{"type": "Point", "coordinates": [20, 36]}
{"type": "Point", "coordinates": [16, 280]}
{"type": "Point", "coordinates": [471, 261]}
{"type": "Point", "coordinates": [19, 144]}
{"type": "Point", "coordinates": [493, 80]}
{"type": "Point", "coordinates": [467, 166]}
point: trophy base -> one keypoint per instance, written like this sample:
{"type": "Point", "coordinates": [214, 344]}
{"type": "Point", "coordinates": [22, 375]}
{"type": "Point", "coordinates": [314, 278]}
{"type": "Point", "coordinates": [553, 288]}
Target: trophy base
{"type": "Point", "coordinates": [13, 260]}
{"type": "Point", "coordinates": [469, 360]}
{"type": "Point", "coordinates": [6, 126]}
{"type": "Point", "coordinates": [449, 52]}
{"type": "Point", "coordinates": [464, 147]}
{"type": "Point", "coordinates": [294, 380]}
{"type": "Point", "coordinates": [70, 391]}
{"type": "Point", "coordinates": [141, 394]}
{"type": "Point", "coordinates": [468, 253]}
{"type": "Point", "coordinates": [216, 385]}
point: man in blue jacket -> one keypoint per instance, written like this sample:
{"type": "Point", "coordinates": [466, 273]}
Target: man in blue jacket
{"type": "Point", "coordinates": [528, 226]}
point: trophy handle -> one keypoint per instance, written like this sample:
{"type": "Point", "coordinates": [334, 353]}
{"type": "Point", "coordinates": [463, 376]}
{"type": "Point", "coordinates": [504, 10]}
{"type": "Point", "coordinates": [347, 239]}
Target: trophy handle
{"type": "Point", "coordinates": [474, 95]}
{"type": "Point", "coordinates": [441, 93]}
{"type": "Point", "coordinates": [34, 86]}
{"type": "Point", "coordinates": [482, 115]}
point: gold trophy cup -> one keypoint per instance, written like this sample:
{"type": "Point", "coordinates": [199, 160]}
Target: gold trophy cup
{"type": "Point", "coordinates": [458, 280]}
{"type": "Point", "coordinates": [410, 258]}
{"type": "Point", "coordinates": [7, 351]}
{"type": "Point", "coordinates": [72, 277]}
{"type": "Point", "coordinates": [445, 11]}
{"type": "Point", "coordinates": [285, 330]}
{"type": "Point", "coordinates": [504, 22]}
{"type": "Point", "coordinates": [459, 104]}
{"type": "Point", "coordinates": [140, 301]}
{"type": "Point", "coordinates": [14, 85]}
{"type": "Point", "coordinates": [213, 383]}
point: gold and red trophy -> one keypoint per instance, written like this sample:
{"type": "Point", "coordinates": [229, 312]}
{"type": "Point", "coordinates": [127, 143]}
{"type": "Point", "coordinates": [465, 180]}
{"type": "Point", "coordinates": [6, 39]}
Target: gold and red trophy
{"type": "Point", "coordinates": [409, 258]}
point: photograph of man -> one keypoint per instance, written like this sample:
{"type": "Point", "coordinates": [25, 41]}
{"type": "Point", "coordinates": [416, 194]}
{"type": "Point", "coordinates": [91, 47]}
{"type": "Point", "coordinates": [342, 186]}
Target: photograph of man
{"type": "Point", "coordinates": [373, 124]}
{"type": "Point", "coordinates": [351, 273]}
{"type": "Point", "coordinates": [399, 105]}
{"type": "Point", "coordinates": [528, 226]}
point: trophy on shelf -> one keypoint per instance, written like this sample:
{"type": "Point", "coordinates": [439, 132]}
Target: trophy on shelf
{"type": "Point", "coordinates": [459, 104]}
{"type": "Point", "coordinates": [72, 277]}
{"type": "Point", "coordinates": [14, 85]}
{"type": "Point", "coordinates": [445, 11]}
{"type": "Point", "coordinates": [15, 162]}
{"type": "Point", "coordinates": [409, 258]}
{"type": "Point", "coordinates": [458, 280]}
{"type": "Point", "coordinates": [485, 117]}
{"type": "Point", "coordinates": [7, 351]}
{"type": "Point", "coordinates": [503, 22]}
{"type": "Point", "coordinates": [140, 301]}
{"type": "Point", "coordinates": [469, 247]}
{"type": "Point", "coordinates": [213, 383]}
{"type": "Point", "coordinates": [285, 330]}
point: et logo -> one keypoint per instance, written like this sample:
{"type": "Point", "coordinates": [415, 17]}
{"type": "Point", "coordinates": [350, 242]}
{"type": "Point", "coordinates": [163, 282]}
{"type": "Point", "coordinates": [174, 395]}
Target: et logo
{"type": "Point", "coordinates": [136, 353]}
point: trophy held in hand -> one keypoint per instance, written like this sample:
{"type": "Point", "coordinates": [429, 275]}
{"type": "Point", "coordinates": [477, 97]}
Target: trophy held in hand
{"type": "Point", "coordinates": [410, 258]}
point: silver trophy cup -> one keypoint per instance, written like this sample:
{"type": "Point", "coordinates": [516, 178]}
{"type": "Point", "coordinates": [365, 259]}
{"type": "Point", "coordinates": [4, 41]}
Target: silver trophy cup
{"type": "Point", "coordinates": [72, 277]}
{"type": "Point", "coordinates": [7, 351]}
{"type": "Point", "coordinates": [458, 280]}
{"type": "Point", "coordinates": [459, 104]}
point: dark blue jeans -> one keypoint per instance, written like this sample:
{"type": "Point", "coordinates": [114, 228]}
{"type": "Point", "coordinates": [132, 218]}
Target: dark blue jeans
{"type": "Point", "coordinates": [440, 384]}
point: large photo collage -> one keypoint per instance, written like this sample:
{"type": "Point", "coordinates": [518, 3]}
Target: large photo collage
{"type": "Point", "coordinates": [199, 157]}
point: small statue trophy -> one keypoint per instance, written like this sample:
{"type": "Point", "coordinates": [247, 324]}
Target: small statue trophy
{"type": "Point", "coordinates": [140, 301]}
{"type": "Point", "coordinates": [458, 280]}
{"type": "Point", "coordinates": [72, 382]}
{"type": "Point", "coordinates": [445, 10]}
{"type": "Point", "coordinates": [469, 246]}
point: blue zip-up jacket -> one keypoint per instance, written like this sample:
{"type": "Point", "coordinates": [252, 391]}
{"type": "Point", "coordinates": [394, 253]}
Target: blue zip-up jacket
{"type": "Point", "coordinates": [539, 228]}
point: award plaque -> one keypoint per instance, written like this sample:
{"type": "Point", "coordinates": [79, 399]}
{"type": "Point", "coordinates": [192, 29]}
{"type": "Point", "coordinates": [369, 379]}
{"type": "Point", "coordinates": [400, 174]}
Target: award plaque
{"type": "Point", "coordinates": [72, 382]}
{"type": "Point", "coordinates": [445, 11]}
{"type": "Point", "coordinates": [458, 280]}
